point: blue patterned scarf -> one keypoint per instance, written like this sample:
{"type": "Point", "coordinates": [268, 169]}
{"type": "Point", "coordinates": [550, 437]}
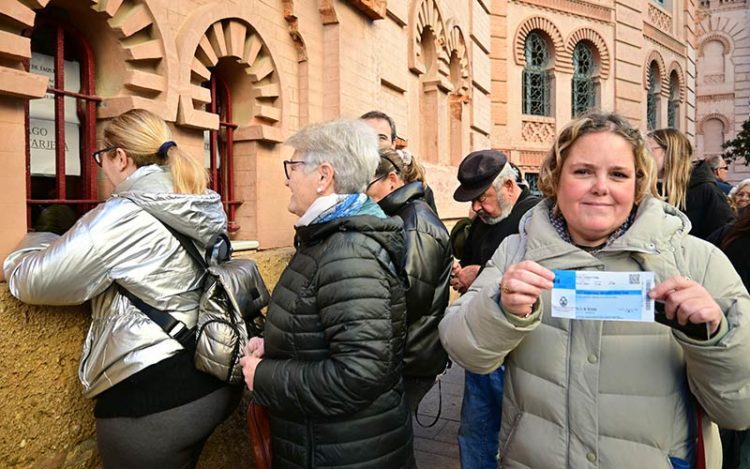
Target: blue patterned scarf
{"type": "Point", "coordinates": [351, 205]}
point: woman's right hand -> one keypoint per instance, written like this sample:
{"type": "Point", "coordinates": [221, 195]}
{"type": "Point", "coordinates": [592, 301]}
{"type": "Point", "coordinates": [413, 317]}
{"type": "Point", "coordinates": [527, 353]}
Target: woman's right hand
{"type": "Point", "coordinates": [521, 286]}
{"type": "Point", "coordinates": [255, 347]}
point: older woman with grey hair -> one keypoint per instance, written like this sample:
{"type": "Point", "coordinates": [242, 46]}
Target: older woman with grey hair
{"type": "Point", "coordinates": [740, 194]}
{"type": "Point", "coordinates": [329, 367]}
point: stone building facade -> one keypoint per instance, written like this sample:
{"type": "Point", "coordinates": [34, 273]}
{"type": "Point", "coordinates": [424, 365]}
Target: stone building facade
{"type": "Point", "coordinates": [723, 80]}
{"type": "Point", "coordinates": [235, 78]}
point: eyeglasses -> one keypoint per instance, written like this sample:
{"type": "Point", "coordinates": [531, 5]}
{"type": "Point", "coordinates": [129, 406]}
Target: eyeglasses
{"type": "Point", "coordinates": [742, 195]}
{"type": "Point", "coordinates": [291, 163]}
{"type": "Point", "coordinates": [374, 181]}
{"type": "Point", "coordinates": [97, 155]}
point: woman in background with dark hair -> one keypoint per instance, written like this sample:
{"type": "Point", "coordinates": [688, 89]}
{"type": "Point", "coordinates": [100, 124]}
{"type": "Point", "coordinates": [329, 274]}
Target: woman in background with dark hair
{"type": "Point", "coordinates": [398, 187]}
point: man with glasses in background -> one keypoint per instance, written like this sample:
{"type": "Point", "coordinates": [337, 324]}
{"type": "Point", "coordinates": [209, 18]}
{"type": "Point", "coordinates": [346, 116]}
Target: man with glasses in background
{"type": "Point", "coordinates": [721, 171]}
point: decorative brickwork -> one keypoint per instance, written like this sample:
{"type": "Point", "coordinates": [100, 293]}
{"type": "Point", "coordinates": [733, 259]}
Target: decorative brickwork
{"type": "Point", "coordinates": [531, 159]}
{"type": "Point", "coordinates": [293, 22]}
{"type": "Point", "coordinates": [549, 29]}
{"type": "Point", "coordinates": [664, 78]}
{"type": "Point", "coordinates": [538, 130]}
{"type": "Point", "coordinates": [676, 68]}
{"type": "Point", "coordinates": [427, 15]}
{"type": "Point", "coordinates": [130, 21]}
{"type": "Point", "coordinates": [664, 39]}
{"type": "Point", "coordinates": [575, 7]}
{"type": "Point", "coordinates": [233, 38]}
{"type": "Point", "coordinates": [714, 115]}
{"type": "Point", "coordinates": [599, 45]}
{"type": "Point", "coordinates": [720, 36]}
{"type": "Point", "coordinates": [659, 18]}
{"type": "Point", "coordinates": [457, 45]}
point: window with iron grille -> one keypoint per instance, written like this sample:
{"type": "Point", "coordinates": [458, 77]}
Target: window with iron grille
{"type": "Point", "coordinates": [61, 127]}
{"type": "Point", "coordinates": [652, 99]}
{"type": "Point", "coordinates": [583, 85]}
{"type": "Point", "coordinates": [536, 76]}
{"type": "Point", "coordinates": [673, 106]}
{"type": "Point", "coordinates": [219, 147]}
{"type": "Point", "coordinates": [533, 180]}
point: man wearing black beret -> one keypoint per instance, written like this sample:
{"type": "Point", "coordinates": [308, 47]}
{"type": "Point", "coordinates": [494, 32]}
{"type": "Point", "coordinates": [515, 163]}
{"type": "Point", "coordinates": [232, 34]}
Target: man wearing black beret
{"type": "Point", "coordinates": [499, 196]}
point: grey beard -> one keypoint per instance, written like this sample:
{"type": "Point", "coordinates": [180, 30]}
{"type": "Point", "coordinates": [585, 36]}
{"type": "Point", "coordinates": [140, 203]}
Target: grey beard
{"type": "Point", "coordinates": [504, 212]}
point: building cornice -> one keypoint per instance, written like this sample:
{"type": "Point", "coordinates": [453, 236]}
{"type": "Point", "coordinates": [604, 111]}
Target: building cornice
{"type": "Point", "coordinates": [574, 7]}
{"type": "Point", "coordinates": [663, 39]}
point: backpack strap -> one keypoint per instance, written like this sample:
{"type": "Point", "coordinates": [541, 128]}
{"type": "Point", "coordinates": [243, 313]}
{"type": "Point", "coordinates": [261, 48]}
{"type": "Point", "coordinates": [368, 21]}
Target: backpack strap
{"type": "Point", "coordinates": [174, 328]}
{"type": "Point", "coordinates": [188, 245]}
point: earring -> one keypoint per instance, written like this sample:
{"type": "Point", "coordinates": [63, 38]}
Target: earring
{"type": "Point", "coordinates": [319, 190]}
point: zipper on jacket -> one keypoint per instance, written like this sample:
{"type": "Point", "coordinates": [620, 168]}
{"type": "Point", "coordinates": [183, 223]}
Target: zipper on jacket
{"type": "Point", "coordinates": [567, 397]}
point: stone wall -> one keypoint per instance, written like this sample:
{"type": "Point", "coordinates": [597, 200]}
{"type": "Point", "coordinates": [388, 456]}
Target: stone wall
{"type": "Point", "coordinates": [45, 422]}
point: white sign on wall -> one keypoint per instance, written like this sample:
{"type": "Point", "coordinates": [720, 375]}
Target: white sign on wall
{"type": "Point", "coordinates": [42, 120]}
{"type": "Point", "coordinates": [207, 151]}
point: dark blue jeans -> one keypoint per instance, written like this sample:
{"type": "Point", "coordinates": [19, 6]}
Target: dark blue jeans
{"type": "Point", "coordinates": [481, 409]}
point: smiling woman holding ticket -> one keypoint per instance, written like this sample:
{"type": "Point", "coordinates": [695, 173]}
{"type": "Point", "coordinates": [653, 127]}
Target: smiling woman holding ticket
{"type": "Point", "coordinates": [593, 380]}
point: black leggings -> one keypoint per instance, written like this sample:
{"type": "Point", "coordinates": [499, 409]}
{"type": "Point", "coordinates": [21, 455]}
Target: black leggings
{"type": "Point", "coordinates": [170, 439]}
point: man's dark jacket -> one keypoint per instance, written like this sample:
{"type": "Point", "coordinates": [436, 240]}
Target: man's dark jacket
{"type": "Point", "coordinates": [428, 267]}
{"type": "Point", "coordinates": [484, 239]}
{"type": "Point", "coordinates": [707, 206]}
{"type": "Point", "coordinates": [334, 340]}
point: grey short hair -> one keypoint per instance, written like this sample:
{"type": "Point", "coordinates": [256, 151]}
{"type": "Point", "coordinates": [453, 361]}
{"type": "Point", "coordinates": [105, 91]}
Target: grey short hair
{"type": "Point", "coordinates": [350, 146]}
{"type": "Point", "coordinates": [509, 173]}
{"type": "Point", "coordinates": [714, 161]}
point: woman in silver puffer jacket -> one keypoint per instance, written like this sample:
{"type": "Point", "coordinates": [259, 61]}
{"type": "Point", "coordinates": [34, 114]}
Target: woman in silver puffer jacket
{"type": "Point", "coordinates": [153, 408]}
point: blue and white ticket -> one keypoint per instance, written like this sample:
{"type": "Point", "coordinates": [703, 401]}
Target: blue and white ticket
{"type": "Point", "coordinates": [611, 296]}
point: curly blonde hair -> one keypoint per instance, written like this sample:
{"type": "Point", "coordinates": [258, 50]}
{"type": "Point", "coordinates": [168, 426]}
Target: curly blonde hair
{"type": "Point", "coordinates": [645, 173]}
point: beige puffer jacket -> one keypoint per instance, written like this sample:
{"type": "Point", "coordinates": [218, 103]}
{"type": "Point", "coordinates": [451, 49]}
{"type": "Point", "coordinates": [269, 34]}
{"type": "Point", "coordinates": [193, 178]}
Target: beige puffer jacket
{"type": "Point", "coordinates": [588, 394]}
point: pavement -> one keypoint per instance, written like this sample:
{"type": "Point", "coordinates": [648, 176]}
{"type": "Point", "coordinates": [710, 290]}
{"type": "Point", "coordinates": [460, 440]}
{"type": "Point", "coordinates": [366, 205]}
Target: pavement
{"type": "Point", "coordinates": [436, 447]}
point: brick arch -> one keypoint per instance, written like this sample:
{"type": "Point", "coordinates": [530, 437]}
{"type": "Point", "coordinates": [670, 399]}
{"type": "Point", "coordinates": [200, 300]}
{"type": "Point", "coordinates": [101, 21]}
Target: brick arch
{"type": "Point", "coordinates": [713, 115]}
{"type": "Point", "coordinates": [595, 39]}
{"type": "Point", "coordinates": [205, 41]}
{"type": "Point", "coordinates": [655, 56]}
{"type": "Point", "coordinates": [548, 28]}
{"type": "Point", "coordinates": [720, 36]}
{"type": "Point", "coordinates": [427, 14]}
{"type": "Point", "coordinates": [676, 68]}
{"type": "Point", "coordinates": [134, 26]}
{"type": "Point", "coordinates": [456, 43]}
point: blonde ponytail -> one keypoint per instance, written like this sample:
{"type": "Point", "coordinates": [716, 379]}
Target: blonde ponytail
{"type": "Point", "coordinates": [188, 176]}
{"type": "Point", "coordinates": [143, 135]}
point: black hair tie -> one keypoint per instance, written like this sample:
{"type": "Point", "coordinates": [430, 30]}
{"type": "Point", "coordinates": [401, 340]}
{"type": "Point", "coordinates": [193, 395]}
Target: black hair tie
{"type": "Point", "coordinates": [164, 148]}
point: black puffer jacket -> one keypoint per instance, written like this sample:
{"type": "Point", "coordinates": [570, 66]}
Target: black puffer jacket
{"type": "Point", "coordinates": [428, 267]}
{"type": "Point", "coordinates": [334, 340]}
{"type": "Point", "coordinates": [707, 206]}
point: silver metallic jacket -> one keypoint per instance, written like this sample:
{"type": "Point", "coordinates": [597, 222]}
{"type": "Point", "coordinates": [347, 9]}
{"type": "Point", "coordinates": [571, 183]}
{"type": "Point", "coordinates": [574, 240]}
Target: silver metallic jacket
{"type": "Point", "coordinates": [121, 242]}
